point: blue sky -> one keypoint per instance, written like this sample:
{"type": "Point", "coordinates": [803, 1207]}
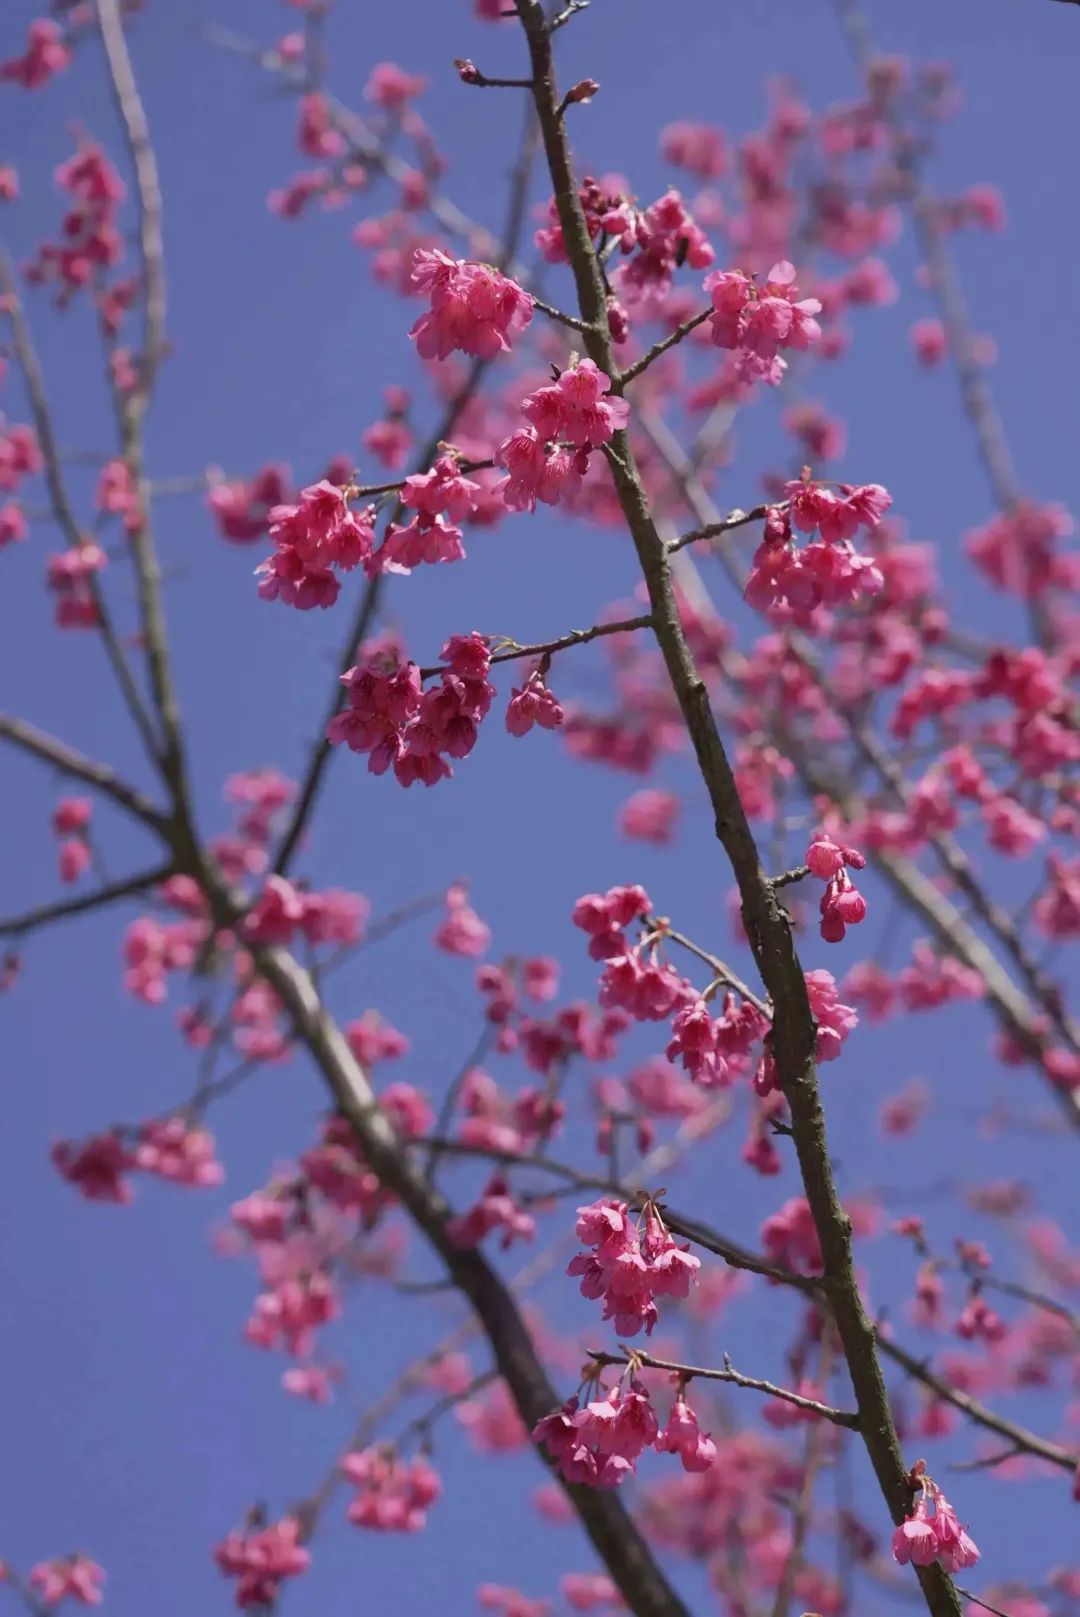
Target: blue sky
{"type": "Point", "coordinates": [136, 1423]}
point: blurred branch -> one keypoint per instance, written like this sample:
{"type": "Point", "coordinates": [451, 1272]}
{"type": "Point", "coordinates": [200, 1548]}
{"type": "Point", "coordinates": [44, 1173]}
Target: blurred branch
{"type": "Point", "coordinates": [34, 381]}
{"type": "Point", "coordinates": [17, 926]}
{"type": "Point", "coordinates": [60, 756]}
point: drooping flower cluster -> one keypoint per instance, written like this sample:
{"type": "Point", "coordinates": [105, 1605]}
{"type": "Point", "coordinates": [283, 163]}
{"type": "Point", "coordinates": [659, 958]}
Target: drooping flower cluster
{"type": "Point", "coordinates": [496, 1209]}
{"type": "Point", "coordinates": [533, 703]}
{"type": "Point", "coordinates": [69, 576]}
{"type": "Point", "coordinates": [933, 1533]}
{"type": "Point", "coordinates": [599, 1444]}
{"type": "Point", "coordinates": [393, 1495]}
{"type": "Point", "coordinates": [47, 53]}
{"type": "Point", "coordinates": [629, 1267]}
{"type": "Point", "coordinates": [71, 822]}
{"type": "Point", "coordinates": [568, 419]}
{"type": "Point", "coordinates": [261, 1558]}
{"type": "Point", "coordinates": [91, 241]}
{"type": "Point", "coordinates": [398, 723]}
{"type": "Point", "coordinates": [791, 581]}
{"type": "Point", "coordinates": [842, 905]}
{"type": "Point", "coordinates": [757, 322]}
{"type": "Point", "coordinates": [474, 309]}
{"type": "Point", "coordinates": [315, 537]}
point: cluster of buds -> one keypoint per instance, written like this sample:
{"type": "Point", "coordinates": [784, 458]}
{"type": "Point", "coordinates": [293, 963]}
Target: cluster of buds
{"type": "Point", "coordinates": [842, 905]}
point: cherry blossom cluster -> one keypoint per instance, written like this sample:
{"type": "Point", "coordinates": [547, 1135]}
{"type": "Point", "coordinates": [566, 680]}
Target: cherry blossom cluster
{"type": "Point", "coordinates": [71, 822]}
{"type": "Point", "coordinates": [241, 507]}
{"type": "Point", "coordinates": [261, 1559]}
{"type": "Point", "coordinates": [20, 457]}
{"type": "Point", "coordinates": [172, 1148]}
{"type": "Point", "coordinates": [70, 577]}
{"type": "Point", "coordinates": [474, 309]}
{"type": "Point", "coordinates": [392, 1495]}
{"type": "Point", "coordinates": [47, 53]}
{"type": "Point", "coordinates": [315, 538]}
{"type": "Point", "coordinates": [600, 1443]}
{"type": "Point", "coordinates": [91, 240]}
{"type": "Point", "coordinates": [789, 580]}
{"type": "Point", "coordinates": [757, 322]}
{"type": "Point", "coordinates": [390, 716]}
{"type": "Point", "coordinates": [933, 1533]}
{"type": "Point", "coordinates": [568, 419]}
{"type": "Point", "coordinates": [282, 911]}
{"type": "Point", "coordinates": [69, 1575]}
{"type": "Point", "coordinates": [495, 1209]}
{"type": "Point", "coordinates": [842, 905]}
{"type": "Point", "coordinates": [630, 1263]}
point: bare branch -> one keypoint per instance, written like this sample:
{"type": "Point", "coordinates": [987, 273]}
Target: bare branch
{"type": "Point", "coordinates": [560, 315]}
{"type": "Point", "coordinates": [17, 926]}
{"type": "Point", "coordinates": [74, 764]}
{"type": "Point", "coordinates": [663, 345]}
{"type": "Point", "coordinates": [34, 381]}
{"type": "Point", "coordinates": [1023, 1440]}
{"type": "Point", "coordinates": [716, 530]}
{"type": "Point", "coordinates": [131, 407]}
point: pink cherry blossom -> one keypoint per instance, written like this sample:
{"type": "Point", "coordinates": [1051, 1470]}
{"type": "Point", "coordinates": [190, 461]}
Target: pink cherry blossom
{"type": "Point", "coordinates": [474, 309]}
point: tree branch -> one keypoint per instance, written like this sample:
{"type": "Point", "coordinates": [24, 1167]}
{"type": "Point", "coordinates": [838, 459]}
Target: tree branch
{"type": "Point", "coordinates": [547, 648]}
{"type": "Point", "coordinates": [663, 345]}
{"type": "Point", "coordinates": [766, 922]}
{"type": "Point", "coordinates": [34, 382]}
{"type": "Point", "coordinates": [17, 926]}
{"type": "Point", "coordinates": [132, 406]}
{"type": "Point", "coordinates": [606, 1520]}
{"type": "Point", "coordinates": [74, 764]}
{"type": "Point", "coordinates": [838, 1417]}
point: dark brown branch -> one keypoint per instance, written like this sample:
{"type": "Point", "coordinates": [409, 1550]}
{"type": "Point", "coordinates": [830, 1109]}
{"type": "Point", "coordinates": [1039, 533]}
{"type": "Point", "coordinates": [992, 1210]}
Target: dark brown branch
{"type": "Point", "coordinates": [663, 345]}
{"type": "Point", "coordinates": [648, 1361]}
{"type": "Point", "coordinates": [715, 530]}
{"type": "Point", "coordinates": [547, 648]}
{"type": "Point", "coordinates": [74, 764]}
{"type": "Point", "coordinates": [560, 315]}
{"type": "Point", "coordinates": [766, 922]}
{"type": "Point", "coordinates": [17, 926]}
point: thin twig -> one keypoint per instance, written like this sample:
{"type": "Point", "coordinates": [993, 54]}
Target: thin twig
{"type": "Point", "coordinates": [34, 381]}
{"type": "Point", "coordinates": [716, 530]}
{"type": "Point", "coordinates": [648, 1361]}
{"type": "Point", "coordinates": [560, 315]}
{"type": "Point", "coordinates": [547, 648]}
{"type": "Point", "coordinates": [663, 345]}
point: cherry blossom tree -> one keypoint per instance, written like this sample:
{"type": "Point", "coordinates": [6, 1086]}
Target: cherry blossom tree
{"type": "Point", "coordinates": [802, 711]}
